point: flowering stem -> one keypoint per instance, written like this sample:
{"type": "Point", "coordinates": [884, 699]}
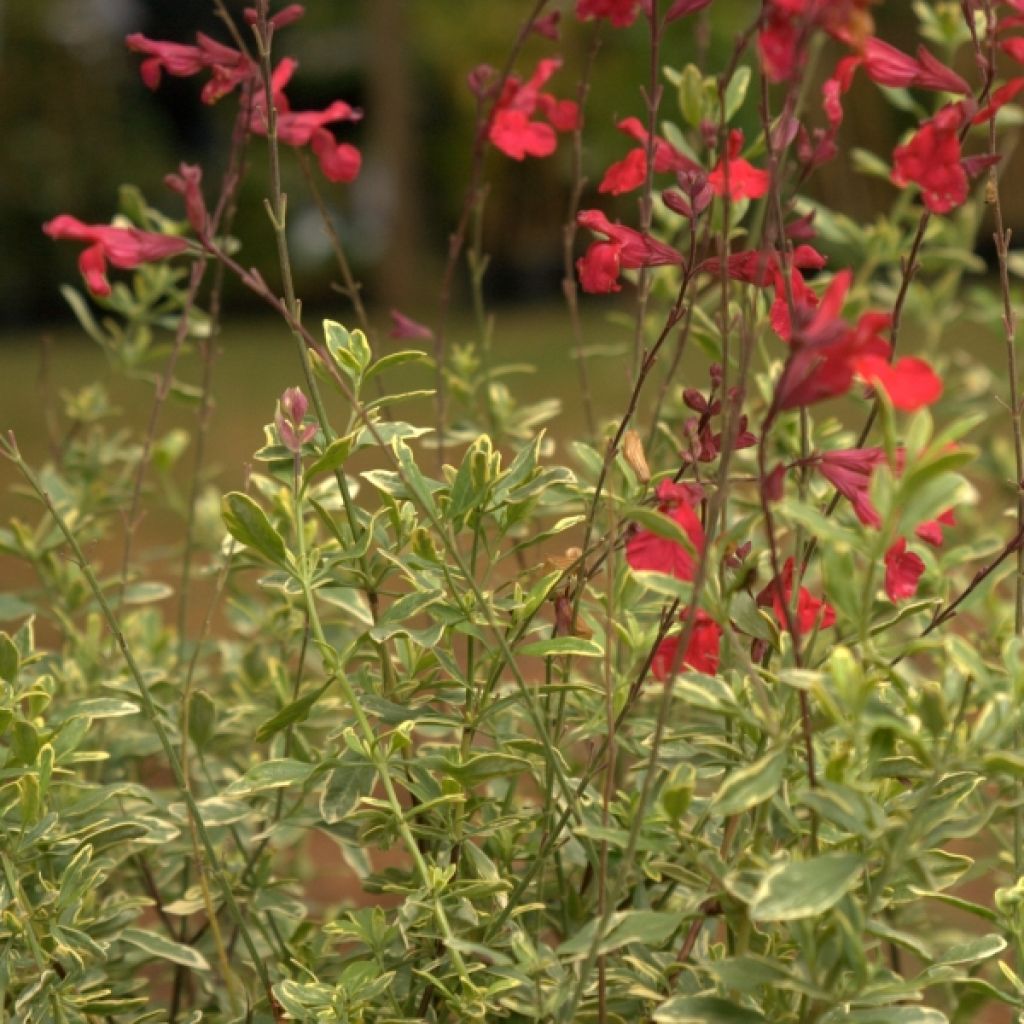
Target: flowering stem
{"type": "Point", "coordinates": [569, 287]}
{"type": "Point", "coordinates": [457, 240]}
{"type": "Point", "coordinates": [652, 97]}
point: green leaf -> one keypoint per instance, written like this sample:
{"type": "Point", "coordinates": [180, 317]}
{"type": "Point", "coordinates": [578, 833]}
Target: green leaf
{"type": "Point", "coordinates": [163, 948]}
{"type": "Point", "coordinates": [973, 950]}
{"type": "Point", "coordinates": [749, 786]}
{"type": "Point", "coordinates": [333, 458]}
{"type": "Point", "coordinates": [291, 714]}
{"type": "Point", "coordinates": [652, 928]}
{"type": "Point", "coordinates": [736, 91]}
{"type": "Point", "coordinates": [9, 660]}
{"type": "Point", "coordinates": [889, 1015]}
{"type": "Point", "coordinates": [249, 525]}
{"type": "Point", "coordinates": [146, 592]}
{"type": "Point", "coordinates": [346, 785]}
{"type": "Point", "coordinates": [576, 646]}
{"type": "Point", "coordinates": [805, 888]}
{"type": "Point", "coordinates": [13, 607]}
{"type": "Point", "coordinates": [350, 349]}
{"type": "Point", "coordinates": [202, 719]}
{"type": "Point", "coordinates": [705, 1010]}
{"type": "Point", "coordinates": [276, 774]}
{"type": "Point", "coordinates": [659, 524]}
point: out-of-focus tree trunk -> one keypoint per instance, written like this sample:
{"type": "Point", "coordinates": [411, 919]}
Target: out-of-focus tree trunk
{"type": "Point", "coordinates": [393, 152]}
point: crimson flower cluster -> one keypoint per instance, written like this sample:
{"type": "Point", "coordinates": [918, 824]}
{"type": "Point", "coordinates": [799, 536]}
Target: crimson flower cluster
{"type": "Point", "coordinates": [229, 69]}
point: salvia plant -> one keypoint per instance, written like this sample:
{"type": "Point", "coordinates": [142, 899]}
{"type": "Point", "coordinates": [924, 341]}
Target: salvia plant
{"type": "Point", "coordinates": [710, 714]}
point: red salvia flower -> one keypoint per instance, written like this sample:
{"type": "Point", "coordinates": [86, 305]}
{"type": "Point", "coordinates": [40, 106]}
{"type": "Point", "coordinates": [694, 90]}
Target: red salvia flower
{"type": "Point", "coordinates": [123, 247]}
{"type": "Point", "coordinates": [1003, 95]}
{"type": "Point", "coordinates": [228, 68]}
{"type": "Point", "coordinates": [701, 653]}
{"type": "Point", "coordinates": [849, 471]}
{"type": "Point", "coordinates": [931, 159]}
{"type": "Point", "coordinates": [903, 570]}
{"type": "Point", "coordinates": [648, 551]}
{"type": "Point", "coordinates": [910, 383]}
{"type": "Point", "coordinates": [810, 611]}
{"type": "Point", "coordinates": [745, 180]}
{"type": "Point", "coordinates": [931, 531]}
{"type": "Point", "coordinates": [631, 172]}
{"type": "Point", "coordinates": [339, 162]}
{"type": "Point", "coordinates": [513, 128]}
{"type": "Point", "coordinates": [626, 248]}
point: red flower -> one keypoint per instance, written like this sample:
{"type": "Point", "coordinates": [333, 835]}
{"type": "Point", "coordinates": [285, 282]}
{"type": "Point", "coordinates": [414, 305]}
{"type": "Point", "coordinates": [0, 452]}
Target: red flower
{"type": "Point", "coordinates": [903, 569]}
{"type": "Point", "coordinates": [621, 13]}
{"type": "Point", "coordinates": [701, 652]}
{"type": "Point", "coordinates": [783, 37]}
{"type": "Point", "coordinates": [811, 611]}
{"type": "Point", "coordinates": [745, 180]}
{"type": "Point", "coordinates": [284, 17]}
{"type": "Point", "coordinates": [849, 471]}
{"type": "Point", "coordinates": [777, 46]}
{"type": "Point", "coordinates": [123, 247]}
{"type": "Point", "coordinates": [626, 249]}
{"type": "Point", "coordinates": [888, 66]}
{"type": "Point", "coordinates": [823, 347]}
{"type": "Point", "coordinates": [910, 383]}
{"type": "Point", "coordinates": [761, 267]}
{"type": "Point", "coordinates": [631, 172]}
{"type": "Point", "coordinates": [228, 68]}
{"type": "Point", "coordinates": [340, 162]}
{"type": "Point", "coordinates": [1003, 95]}
{"type": "Point", "coordinates": [931, 159]}
{"type": "Point", "coordinates": [931, 531]}
{"type": "Point", "coordinates": [836, 87]}
{"type": "Point", "coordinates": [648, 551]}
{"type": "Point", "coordinates": [512, 128]}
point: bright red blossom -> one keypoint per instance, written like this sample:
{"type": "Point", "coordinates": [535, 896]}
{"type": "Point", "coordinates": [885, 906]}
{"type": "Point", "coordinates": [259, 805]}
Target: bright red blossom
{"type": "Point", "coordinates": [745, 180]}
{"type": "Point", "coordinates": [931, 160]}
{"type": "Point", "coordinates": [513, 128]}
{"type": "Point", "coordinates": [649, 551]}
{"type": "Point", "coordinates": [910, 383]}
{"type": "Point", "coordinates": [626, 248]}
{"type": "Point", "coordinates": [811, 611]}
{"type": "Point", "coordinates": [340, 162]}
{"type": "Point", "coordinates": [123, 247]}
{"type": "Point", "coordinates": [849, 472]}
{"type": "Point", "coordinates": [227, 67]}
{"type": "Point", "coordinates": [631, 172]}
{"type": "Point", "coordinates": [701, 653]}
{"type": "Point", "coordinates": [931, 531]}
{"type": "Point", "coordinates": [903, 570]}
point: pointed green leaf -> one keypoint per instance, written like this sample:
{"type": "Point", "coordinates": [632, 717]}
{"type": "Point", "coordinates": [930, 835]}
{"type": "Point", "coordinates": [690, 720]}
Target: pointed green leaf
{"type": "Point", "coordinates": [163, 948]}
{"type": "Point", "coordinates": [249, 525]}
{"type": "Point", "coordinates": [805, 888]}
{"type": "Point", "coordinates": [749, 786]}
